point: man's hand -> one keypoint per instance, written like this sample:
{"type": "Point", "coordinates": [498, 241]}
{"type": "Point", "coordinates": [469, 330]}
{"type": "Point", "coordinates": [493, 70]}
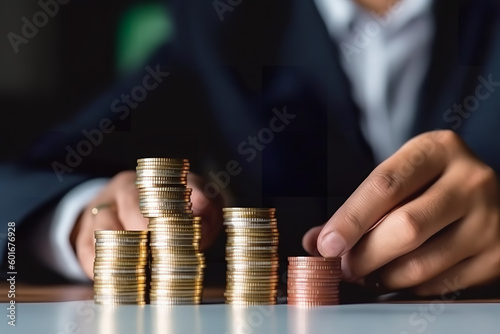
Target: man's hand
{"type": "Point", "coordinates": [126, 215]}
{"type": "Point", "coordinates": [442, 229]}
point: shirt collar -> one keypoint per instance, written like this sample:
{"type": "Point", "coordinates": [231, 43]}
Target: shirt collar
{"type": "Point", "coordinates": [341, 15]}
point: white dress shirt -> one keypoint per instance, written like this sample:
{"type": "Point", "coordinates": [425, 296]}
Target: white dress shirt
{"type": "Point", "coordinates": [385, 57]}
{"type": "Point", "coordinates": [52, 238]}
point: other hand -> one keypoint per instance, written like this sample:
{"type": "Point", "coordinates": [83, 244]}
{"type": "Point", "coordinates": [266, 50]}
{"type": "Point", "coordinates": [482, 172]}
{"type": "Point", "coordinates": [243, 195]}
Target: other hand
{"type": "Point", "coordinates": [121, 191]}
{"type": "Point", "coordinates": [438, 209]}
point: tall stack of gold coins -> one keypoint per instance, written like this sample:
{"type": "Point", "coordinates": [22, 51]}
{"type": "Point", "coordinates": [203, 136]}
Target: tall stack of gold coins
{"type": "Point", "coordinates": [313, 281]}
{"type": "Point", "coordinates": [121, 267]}
{"type": "Point", "coordinates": [252, 256]}
{"type": "Point", "coordinates": [176, 261]}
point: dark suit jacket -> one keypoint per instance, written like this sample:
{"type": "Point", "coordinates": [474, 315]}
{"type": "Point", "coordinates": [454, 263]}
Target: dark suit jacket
{"type": "Point", "coordinates": [228, 80]}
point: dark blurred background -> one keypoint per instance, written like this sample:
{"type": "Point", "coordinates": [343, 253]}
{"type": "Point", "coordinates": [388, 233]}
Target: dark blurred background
{"type": "Point", "coordinates": [70, 60]}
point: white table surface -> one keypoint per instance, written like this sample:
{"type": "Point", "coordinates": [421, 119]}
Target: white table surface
{"type": "Point", "coordinates": [86, 317]}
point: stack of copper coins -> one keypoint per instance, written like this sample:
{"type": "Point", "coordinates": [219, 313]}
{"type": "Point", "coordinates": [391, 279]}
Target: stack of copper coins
{"type": "Point", "coordinates": [176, 261]}
{"type": "Point", "coordinates": [120, 267]}
{"type": "Point", "coordinates": [252, 256]}
{"type": "Point", "coordinates": [313, 281]}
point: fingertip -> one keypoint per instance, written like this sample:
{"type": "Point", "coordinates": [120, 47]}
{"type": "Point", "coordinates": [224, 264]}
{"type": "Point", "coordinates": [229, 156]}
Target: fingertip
{"type": "Point", "coordinates": [210, 211]}
{"type": "Point", "coordinates": [309, 240]}
{"type": "Point", "coordinates": [200, 202]}
{"type": "Point", "coordinates": [331, 244]}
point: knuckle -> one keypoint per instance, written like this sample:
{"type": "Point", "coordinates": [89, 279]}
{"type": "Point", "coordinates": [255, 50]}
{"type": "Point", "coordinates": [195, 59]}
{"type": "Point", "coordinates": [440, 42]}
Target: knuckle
{"type": "Point", "coordinates": [351, 218]}
{"type": "Point", "coordinates": [127, 196]}
{"type": "Point", "coordinates": [485, 180]}
{"type": "Point", "coordinates": [126, 205]}
{"type": "Point", "coordinates": [130, 199]}
{"type": "Point", "coordinates": [447, 137]}
{"type": "Point", "coordinates": [414, 271]}
{"type": "Point", "coordinates": [124, 176]}
{"type": "Point", "coordinates": [386, 183]}
{"type": "Point", "coordinates": [410, 228]}
{"type": "Point", "coordinates": [451, 143]}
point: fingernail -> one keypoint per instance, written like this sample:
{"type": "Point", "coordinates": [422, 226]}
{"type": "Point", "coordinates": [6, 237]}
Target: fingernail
{"type": "Point", "coordinates": [332, 245]}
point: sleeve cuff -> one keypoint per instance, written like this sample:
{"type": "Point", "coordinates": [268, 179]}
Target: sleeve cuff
{"type": "Point", "coordinates": [59, 254]}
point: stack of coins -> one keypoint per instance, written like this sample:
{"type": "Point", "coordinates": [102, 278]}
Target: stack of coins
{"type": "Point", "coordinates": [176, 261]}
{"type": "Point", "coordinates": [313, 281]}
{"type": "Point", "coordinates": [120, 267]}
{"type": "Point", "coordinates": [252, 256]}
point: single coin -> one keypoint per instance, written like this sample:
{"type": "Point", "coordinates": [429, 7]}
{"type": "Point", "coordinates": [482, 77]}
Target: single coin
{"type": "Point", "coordinates": [122, 248]}
{"type": "Point", "coordinates": [254, 264]}
{"type": "Point", "coordinates": [312, 285]}
{"type": "Point", "coordinates": [251, 256]}
{"type": "Point", "coordinates": [237, 277]}
{"type": "Point", "coordinates": [307, 304]}
{"type": "Point", "coordinates": [163, 160]}
{"type": "Point", "coordinates": [164, 255]}
{"type": "Point", "coordinates": [310, 267]}
{"type": "Point", "coordinates": [333, 301]}
{"type": "Point", "coordinates": [162, 166]}
{"type": "Point", "coordinates": [166, 180]}
{"type": "Point", "coordinates": [242, 222]}
{"type": "Point", "coordinates": [120, 233]}
{"type": "Point", "coordinates": [123, 238]}
{"type": "Point", "coordinates": [246, 209]}
{"type": "Point", "coordinates": [141, 172]}
{"type": "Point", "coordinates": [151, 207]}
{"type": "Point", "coordinates": [314, 271]}
{"type": "Point", "coordinates": [119, 287]}
{"type": "Point", "coordinates": [168, 258]}
{"type": "Point", "coordinates": [165, 213]}
{"type": "Point", "coordinates": [183, 219]}
{"type": "Point", "coordinates": [235, 290]}
{"type": "Point", "coordinates": [120, 262]}
{"type": "Point", "coordinates": [159, 230]}
{"type": "Point", "coordinates": [167, 190]}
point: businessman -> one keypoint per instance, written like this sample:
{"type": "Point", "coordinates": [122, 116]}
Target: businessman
{"type": "Point", "coordinates": [388, 118]}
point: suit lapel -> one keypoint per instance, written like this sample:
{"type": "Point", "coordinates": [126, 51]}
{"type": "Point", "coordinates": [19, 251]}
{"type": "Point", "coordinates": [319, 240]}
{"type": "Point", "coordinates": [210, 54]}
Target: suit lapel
{"type": "Point", "coordinates": [310, 53]}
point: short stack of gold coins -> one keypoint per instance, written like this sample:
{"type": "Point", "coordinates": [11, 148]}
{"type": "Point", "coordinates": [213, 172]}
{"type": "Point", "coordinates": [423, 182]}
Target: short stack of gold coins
{"type": "Point", "coordinates": [251, 255]}
{"type": "Point", "coordinates": [176, 261]}
{"type": "Point", "coordinates": [120, 267]}
{"type": "Point", "coordinates": [313, 281]}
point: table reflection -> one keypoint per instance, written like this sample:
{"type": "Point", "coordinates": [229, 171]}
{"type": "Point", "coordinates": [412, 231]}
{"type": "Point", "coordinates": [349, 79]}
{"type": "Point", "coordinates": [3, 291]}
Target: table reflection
{"type": "Point", "coordinates": [251, 319]}
{"type": "Point", "coordinates": [298, 320]}
{"type": "Point", "coordinates": [175, 319]}
{"type": "Point", "coordinates": [109, 319]}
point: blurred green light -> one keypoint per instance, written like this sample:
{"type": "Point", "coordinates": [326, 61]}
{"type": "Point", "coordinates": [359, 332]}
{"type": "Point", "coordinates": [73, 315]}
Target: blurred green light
{"type": "Point", "coordinates": [141, 30]}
